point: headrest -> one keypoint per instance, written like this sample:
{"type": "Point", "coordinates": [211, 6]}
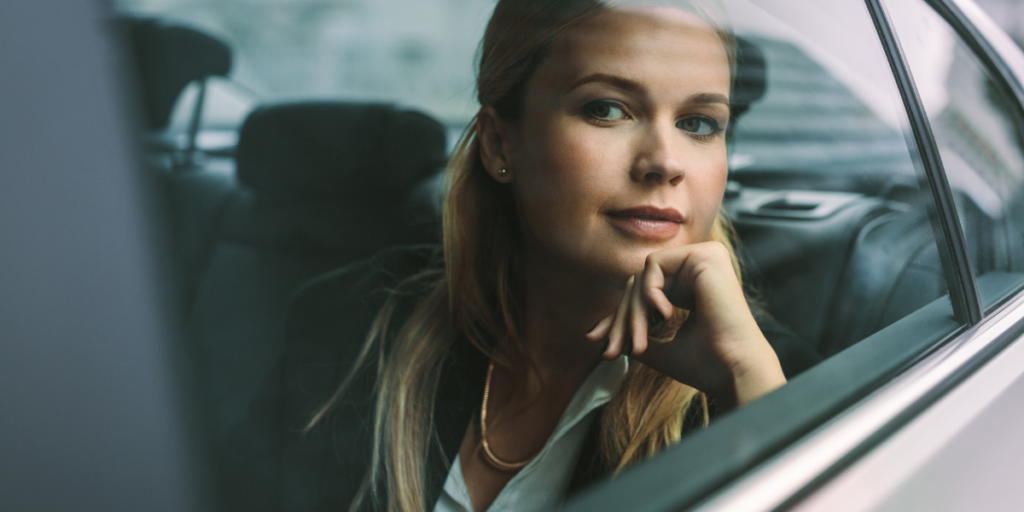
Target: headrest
{"type": "Point", "coordinates": [335, 151]}
{"type": "Point", "coordinates": [169, 56]}
{"type": "Point", "coordinates": [751, 77]}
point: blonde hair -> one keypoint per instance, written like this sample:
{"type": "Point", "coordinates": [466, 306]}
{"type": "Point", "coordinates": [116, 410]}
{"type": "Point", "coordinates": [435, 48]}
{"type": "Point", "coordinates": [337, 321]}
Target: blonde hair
{"type": "Point", "coordinates": [477, 294]}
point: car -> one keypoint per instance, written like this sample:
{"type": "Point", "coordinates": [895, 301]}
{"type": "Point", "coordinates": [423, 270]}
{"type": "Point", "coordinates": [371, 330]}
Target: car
{"type": "Point", "coordinates": [177, 175]}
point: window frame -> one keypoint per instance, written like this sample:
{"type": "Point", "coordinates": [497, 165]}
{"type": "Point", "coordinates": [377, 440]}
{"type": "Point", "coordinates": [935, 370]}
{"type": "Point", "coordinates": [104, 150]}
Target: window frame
{"type": "Point", "coordinates": [788, 459]}
{"type": "Point", "coordinates": [956, 262]}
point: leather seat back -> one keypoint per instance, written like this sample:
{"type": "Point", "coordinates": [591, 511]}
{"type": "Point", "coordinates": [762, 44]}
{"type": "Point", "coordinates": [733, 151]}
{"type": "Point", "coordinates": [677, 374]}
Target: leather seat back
{"type": "Point", "coordinates": [892, 270]}
{"type": "Point", "coordinates": [319, 185]}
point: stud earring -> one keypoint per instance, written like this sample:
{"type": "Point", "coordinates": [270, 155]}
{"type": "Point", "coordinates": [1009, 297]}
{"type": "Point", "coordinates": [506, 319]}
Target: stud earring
{"type": "Point", "coordinates": [502, 172]}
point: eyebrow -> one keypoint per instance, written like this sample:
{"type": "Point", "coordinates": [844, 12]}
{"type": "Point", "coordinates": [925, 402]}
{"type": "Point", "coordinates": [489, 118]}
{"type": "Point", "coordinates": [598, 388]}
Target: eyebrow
{"type": "Point", "coordinates": [616, 81]}
{"type": "Point", "coordinates": [704, 98]}
{"type": "Point", "coordinates": [707, 98]}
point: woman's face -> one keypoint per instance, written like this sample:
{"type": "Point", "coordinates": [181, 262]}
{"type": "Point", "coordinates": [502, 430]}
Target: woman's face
{"type": "Point", "coordinates": [621, 148]}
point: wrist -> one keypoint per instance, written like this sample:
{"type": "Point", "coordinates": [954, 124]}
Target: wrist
{"type": "Point", "coordinates": [753, 379]}
{"type": "Point", "coordinates": [750, 377]}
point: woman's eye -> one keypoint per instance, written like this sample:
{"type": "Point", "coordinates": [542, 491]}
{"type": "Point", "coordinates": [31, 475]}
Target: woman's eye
{"type": "Point", "coordinates": [699, 125]}
{"type": "Point", "coordinates": [604, 110]}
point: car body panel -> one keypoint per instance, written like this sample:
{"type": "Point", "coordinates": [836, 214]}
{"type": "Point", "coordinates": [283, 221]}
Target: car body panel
{"type": "Point", "coordinates": [965, 452]}
{"type": "Point", "coordinates": [813, 460]}
{"type": "Point", "coordinates": [92, 414]}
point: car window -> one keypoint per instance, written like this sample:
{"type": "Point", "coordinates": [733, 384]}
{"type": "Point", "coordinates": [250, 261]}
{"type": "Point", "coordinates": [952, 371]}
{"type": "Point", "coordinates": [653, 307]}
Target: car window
{"type": "Point", "coordinates": [828, 203]}
{"type": "Point", "coordinates": [417, 53]}
{"type": "Point", "coordinates": [831, 205]}
{"type": "Point", "coordinates": [323, 144]}
{"type": "Point", "coordinates": [976, 124]}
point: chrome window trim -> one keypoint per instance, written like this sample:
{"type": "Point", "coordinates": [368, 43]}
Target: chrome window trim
{"type": "Point", "coordinates": [799, 469]}
{"type": "Point", "coordinates": [892, 466]}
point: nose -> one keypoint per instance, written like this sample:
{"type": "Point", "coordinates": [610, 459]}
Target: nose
{"type": "Point", "coordinates": [660, 156]}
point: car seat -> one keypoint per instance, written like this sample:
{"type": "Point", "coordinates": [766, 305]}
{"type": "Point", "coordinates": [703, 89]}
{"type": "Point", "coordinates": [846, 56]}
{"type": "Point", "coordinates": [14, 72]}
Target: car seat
{"type": "Point", "coordinates": [319, 184]}
{"type": "Point", "coordinates": [167, 57]}
{"type": "Point", "coordinates": [832, 222]}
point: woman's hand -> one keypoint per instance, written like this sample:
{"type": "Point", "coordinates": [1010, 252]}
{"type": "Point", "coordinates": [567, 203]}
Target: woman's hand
{"type": "Point", "coordinates": [719, 349]}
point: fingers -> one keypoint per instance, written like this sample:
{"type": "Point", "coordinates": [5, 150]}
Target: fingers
{"type": "Point", "coordinates": [653, 289]}
{"type": "Point", "coordinates": [638, 317]}
{"type": "Point", "coordinates": [673, 278]}
{"type": "Point", "coordinates": [671, 275]}
{"type": "Point", "coordinates": [617, 335]}
{"type": "Point", "coordinates": [600, 331]}
{"type": "Point", "coordinates": [649, 298]}
{"type": "Point", "coordinates": [627, 329]}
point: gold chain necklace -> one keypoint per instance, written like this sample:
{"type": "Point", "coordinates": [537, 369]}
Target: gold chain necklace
{"type": "Point", "coordinates": [489, 456]}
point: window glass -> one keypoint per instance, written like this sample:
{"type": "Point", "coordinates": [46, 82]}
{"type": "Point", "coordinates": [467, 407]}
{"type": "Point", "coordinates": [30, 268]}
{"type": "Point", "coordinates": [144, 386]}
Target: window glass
{"type": "Point", "coordinates": [296, 140]}
{"type": "Point", "coordinates": [418, 53]}
{"type": "Point", "coordinates": [829, 205]}
{"type": "Point", "coordinates": [976, 126]}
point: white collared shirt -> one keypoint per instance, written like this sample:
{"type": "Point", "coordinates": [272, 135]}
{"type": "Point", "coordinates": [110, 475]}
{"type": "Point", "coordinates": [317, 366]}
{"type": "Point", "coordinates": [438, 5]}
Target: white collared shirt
{"type": "Point", "coordinates": [543, 483]}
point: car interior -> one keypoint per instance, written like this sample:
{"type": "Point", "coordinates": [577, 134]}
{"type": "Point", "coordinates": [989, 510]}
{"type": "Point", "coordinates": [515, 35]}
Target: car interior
{"type": "Point", "coordinates": [184, 180]}
{"type": "Point", "coordinates": [837, 239]}
{"type": "Point", "coordinates": [836, 251]}
{"type": "Point", "coordinates": [310, 194]}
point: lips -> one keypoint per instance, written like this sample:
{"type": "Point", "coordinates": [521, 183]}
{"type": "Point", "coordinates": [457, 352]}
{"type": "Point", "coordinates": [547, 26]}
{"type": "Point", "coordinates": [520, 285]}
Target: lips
{"type": "Point", "coordinates": [648, 222]}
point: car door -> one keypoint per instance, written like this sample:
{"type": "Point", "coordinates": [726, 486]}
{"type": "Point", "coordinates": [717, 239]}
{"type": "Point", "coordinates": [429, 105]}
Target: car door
{"type": "Point", "coordinates": [94, 414]}
{"type": "Point", "coordinates": [963, 452]}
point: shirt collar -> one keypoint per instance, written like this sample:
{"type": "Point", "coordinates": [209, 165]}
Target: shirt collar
{"type": "Point", "coordinates": [596, 391]}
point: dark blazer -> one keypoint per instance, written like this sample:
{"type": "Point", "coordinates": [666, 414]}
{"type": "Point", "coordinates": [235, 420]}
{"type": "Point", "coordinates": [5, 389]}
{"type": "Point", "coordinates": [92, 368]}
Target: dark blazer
{"type": "Point", "coordinates": [274, 466]}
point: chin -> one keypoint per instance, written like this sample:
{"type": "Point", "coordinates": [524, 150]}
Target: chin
{"type": "Point", "coordinates": [630, 260]}
{"type": "Point", "coordinates": [623, 264]}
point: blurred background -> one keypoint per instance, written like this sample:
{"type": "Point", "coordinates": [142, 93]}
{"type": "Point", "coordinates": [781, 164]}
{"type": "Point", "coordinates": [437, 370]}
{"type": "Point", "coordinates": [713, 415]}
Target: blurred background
{"type": "Point", "coordinates": [362, 50]}
{"type": "Point", "coordinates": [421, 51]}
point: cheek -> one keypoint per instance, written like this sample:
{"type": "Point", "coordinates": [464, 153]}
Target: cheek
{"type": "Point", "coordinates": [564, 178]}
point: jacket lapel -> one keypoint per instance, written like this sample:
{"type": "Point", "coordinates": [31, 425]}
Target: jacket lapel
{"type": "Point", "coordinates": [591, 466]}
{"type": "Point", "coordinates": [459, 395]}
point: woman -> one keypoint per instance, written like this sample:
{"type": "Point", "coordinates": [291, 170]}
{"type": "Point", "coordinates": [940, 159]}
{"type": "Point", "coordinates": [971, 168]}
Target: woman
{"type": "Point", "coordinates": [582, 223]}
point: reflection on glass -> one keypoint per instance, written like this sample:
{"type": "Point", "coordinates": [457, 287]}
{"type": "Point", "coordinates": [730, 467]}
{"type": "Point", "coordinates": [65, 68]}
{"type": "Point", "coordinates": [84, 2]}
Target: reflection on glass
{"type": "Point", "coordinates": [857, 254]}
{"type": "Point", "coordinates": [578, 303]}
{"type": "Point", "coordinates": [977, 130]}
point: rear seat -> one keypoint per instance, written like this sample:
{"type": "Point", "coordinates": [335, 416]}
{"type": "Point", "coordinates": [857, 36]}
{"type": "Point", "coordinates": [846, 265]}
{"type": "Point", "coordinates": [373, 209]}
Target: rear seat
{"type": "Point", "coordinates": [319, 185]}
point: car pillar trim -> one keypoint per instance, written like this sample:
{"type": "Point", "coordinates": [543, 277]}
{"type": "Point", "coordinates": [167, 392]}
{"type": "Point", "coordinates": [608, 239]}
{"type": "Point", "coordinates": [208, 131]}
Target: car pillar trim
{"type": "Point", "coordinates": [956, 265]}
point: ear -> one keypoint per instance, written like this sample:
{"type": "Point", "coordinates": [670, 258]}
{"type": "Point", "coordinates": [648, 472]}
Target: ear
{"type": "Point", "coordinates": [494, 135]}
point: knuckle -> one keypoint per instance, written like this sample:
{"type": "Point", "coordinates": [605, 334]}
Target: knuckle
{"type": "Point", "coordinates": [718, 247]}
{"type": "Point", "coordinates": [715, 250]}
